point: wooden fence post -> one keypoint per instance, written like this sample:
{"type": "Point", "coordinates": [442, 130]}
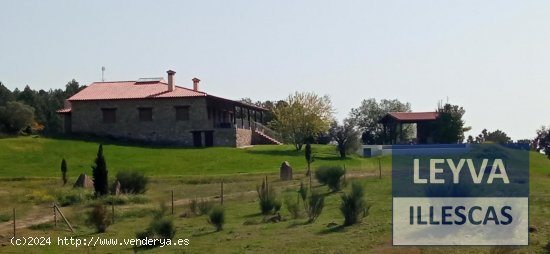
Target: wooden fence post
{"type": "Point", "coordinates": [54, 215]}
{"type": "Point", "coordinates": [62, 216]}
{"type": "Point", "coordinates": [221, 195]}
{"type": "Point", "coordinates": [172, 201]}
{"type": "Point", "coordinates": [13, 222]}
{"type": "Point", "coordinates": [379, 169]}
{"type": "Point", "coordinates": [112, 213]}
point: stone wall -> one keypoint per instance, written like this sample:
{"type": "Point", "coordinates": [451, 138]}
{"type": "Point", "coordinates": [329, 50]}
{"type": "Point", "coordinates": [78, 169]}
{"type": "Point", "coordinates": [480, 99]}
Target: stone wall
{"type": "Point", "coordinates": [244, 137]}
{"type": "Point", "coordinates": [87, 117]}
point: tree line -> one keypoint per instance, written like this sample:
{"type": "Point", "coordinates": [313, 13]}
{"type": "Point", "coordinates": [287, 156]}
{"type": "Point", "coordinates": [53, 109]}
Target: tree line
{"type": "Point", "coordinates": [30, 110]}
{"type": "Point", "coordinates": [304, 118]}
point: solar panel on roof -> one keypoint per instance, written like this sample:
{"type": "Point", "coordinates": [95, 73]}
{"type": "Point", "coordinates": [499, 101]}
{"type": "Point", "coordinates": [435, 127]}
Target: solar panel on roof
{"type": "Point", "coordinates": [148, 80]}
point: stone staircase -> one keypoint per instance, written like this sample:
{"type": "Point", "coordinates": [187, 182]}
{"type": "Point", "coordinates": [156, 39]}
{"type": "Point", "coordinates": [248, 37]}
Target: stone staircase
{"type": "Point", "coordinates": [267, 139]}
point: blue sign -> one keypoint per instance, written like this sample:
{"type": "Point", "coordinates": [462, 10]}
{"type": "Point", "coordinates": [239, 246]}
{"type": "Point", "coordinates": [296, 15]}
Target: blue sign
{"type": "Point", "coordinates": [473, 195]}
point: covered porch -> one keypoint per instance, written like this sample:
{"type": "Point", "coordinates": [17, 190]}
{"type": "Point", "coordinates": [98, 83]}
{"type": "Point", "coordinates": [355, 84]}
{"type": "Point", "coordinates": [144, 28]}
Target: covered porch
{"type": "Point", "coordinates": [393, 123]}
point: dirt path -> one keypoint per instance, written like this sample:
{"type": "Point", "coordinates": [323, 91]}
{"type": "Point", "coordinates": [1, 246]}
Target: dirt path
{"type": "Point", "coordinates": [43, 214]}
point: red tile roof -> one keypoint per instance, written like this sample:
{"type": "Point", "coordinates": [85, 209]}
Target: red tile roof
{"type": "Point", "coordinates": [411, 116]}
{"type": "Point", "coordinates": [120, 90]}
{"type": "Point", "coordinates": [132, 90]}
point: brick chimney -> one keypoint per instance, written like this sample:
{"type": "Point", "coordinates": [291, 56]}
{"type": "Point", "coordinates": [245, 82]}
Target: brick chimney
{"type": "Point", "coordinates": [196, 84]}
{"type": "Point", "coordinates": [171, 82]}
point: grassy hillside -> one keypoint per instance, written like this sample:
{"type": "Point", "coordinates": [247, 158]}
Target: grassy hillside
{"type": "Point", "coordinates": [41, 157]}
{"type": "Point", "coordinates": [192, 173]}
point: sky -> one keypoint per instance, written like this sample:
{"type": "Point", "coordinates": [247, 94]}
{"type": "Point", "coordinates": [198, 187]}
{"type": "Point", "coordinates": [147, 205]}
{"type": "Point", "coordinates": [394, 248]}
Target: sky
{"type": "Point", "coordinates": [490, 57]}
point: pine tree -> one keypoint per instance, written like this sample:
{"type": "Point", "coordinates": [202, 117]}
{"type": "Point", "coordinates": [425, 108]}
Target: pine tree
{"type": "Point", "coordinates": [100, 174]}
{"type": "Point", "coordinates": [64, 171]}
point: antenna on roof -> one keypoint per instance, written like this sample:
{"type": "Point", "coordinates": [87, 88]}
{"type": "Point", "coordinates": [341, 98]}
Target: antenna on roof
{"type": "Point", "coordinates": [102, 73]}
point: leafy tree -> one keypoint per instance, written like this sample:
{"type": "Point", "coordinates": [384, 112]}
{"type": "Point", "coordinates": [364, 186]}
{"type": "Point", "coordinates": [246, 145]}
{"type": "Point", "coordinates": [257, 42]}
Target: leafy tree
{"type": "Point", "coordinates": [16, 116]}
{"type": "Point", "coordinates": [367, 115]}
{"type": "Point", "coordinates": [100, 174]}
{"type": "Point", "coordinates": [541, 142]}
{"type": "Point", "coordinates": [345, 136]}
{"type": "Point", "coordinates": [64, 171]}
{"type": "Point", "coordinates": [497, 136]}
{"type": "Point", "coordinates": [302, 116]}
{"type": "Point", "coordinates": [449, 126]}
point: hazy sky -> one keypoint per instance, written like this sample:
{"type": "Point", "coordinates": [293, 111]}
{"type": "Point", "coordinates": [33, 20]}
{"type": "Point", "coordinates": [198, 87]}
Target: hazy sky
{"type": "Point", "coordinates": [491, 57]}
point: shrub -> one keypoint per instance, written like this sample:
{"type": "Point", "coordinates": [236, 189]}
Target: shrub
{"type": "Point", "coordinates": [330, 176]}
{"type": "Point", "coordinates": [200, 207]}
{"type": "Point", "coordinates": [315, 205]}
{"type": "Point", "coordinates": [217, 217]}
{"type": "Point", "coordinates": [267, 197]}
{"type": "Point", "coordinates": [163, 227]}
{"type": "Point", "coordinates": [99, 218]}
{"type": "Point", "coordinates": [354, 206]}
{"type": "Point", "coordinates": [124, 199]}
{"type": "Point", "coordinates": [293, 207]}
{"type": "Point", "coordinates": [5, 217]}
{"type": "Point", "coordinates": [72, 197]}
{"type": "Point", "coordinates": [132, 182]}
{"type": "Point", "coordinates": [303, 192]}
{"type": "Point", "coordinates": [277, 205]}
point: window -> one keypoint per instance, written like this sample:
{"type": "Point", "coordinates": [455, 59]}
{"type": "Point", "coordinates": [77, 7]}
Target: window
{"type": "Point", "coordinates": [182, 113]}
{"type": "Point", "coordinates": [109, 115]}
{"type": "Point", "coordinates": [145, 114]}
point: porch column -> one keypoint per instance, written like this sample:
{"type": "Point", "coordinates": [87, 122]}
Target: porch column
{"type": "Point", "coordinates": [234, 114]}
{"type": "Point", "coordinates": [242, 116]}
{"type": "Point", "coordinates": [248, 115]}
{"type": "Point", "coordinates": [261, 117]}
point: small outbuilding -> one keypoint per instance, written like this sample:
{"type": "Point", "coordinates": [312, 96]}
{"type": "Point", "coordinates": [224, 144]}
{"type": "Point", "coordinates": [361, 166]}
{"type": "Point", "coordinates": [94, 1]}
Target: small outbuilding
{"type": "Point", "coordinates": [393, 126]}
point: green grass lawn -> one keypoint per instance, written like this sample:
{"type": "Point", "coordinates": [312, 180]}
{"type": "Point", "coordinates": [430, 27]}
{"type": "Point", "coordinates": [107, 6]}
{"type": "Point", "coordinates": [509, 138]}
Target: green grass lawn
{"type": "Point", "coordinates": [199, 177]}
{"type": "Point", "coordinates": [41, 157]}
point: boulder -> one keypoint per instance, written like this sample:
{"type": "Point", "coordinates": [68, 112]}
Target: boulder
{"type": "Point", "coordinates": [286, 171]}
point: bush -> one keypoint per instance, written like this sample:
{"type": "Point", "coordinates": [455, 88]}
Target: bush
{"type": "Point", "coordinates": [124, 199]}
{"type": "Point", "coordinates": [71, 198]}
{"type": "Point", "coordinates": [354, 206]}
{"type": "Point", "coordinates": [330, 176]}
{"type": "Point", "coordinates": [99, 218]}
{"type": "Point", "coordinates": [315, 205]}
{"type": "Point", "coordinates": [200, 207]}
{"type": "Point", "coordinates": [293, 207]}
{"type": "Point", "coordinates": [132, 182]}
{"type": "Point", "coordinates": [277, 205]}
{"type": "Point", "coordinates": [163, 228]}
{"type": "Point", "coordinates": [5, 217]}
{"type": "Point", "coordinates": [268, 198]}
{"type": "Point", "coordinates": [217, 217]}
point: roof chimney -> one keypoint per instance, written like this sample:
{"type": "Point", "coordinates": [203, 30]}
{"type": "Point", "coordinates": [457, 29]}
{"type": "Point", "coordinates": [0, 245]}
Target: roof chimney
{"type": "Point", "coordinates": [171, 83]}
{"type": "Point", "coordinates": [196, 84]}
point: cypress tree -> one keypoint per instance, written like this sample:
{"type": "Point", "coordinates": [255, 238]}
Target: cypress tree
{"type": "Point", "coordinates": [64, 171]}
{"type": "Point", "coordinates": [100, 174]}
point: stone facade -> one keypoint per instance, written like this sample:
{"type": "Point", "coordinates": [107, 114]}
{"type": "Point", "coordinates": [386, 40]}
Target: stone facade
{"type": "Point", "coordinates": [244, 137]}
{"type": "Point", "coordinates": [87, 117]}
